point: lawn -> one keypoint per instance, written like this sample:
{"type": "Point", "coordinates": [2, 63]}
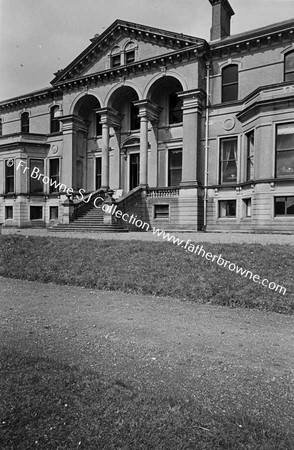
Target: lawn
{"type": "Point", "coordinates": [50, 405]}
{"type": "Point", "coordinates": [156, 268]}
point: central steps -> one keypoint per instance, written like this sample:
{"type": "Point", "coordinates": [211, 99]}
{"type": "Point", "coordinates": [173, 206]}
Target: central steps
{"type": "Point", "coordinates": [90, 221]}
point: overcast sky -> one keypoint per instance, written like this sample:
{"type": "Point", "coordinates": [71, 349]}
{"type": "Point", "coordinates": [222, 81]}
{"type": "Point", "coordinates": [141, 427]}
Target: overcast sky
{"type": "Point", "coordinates": [38, 37]}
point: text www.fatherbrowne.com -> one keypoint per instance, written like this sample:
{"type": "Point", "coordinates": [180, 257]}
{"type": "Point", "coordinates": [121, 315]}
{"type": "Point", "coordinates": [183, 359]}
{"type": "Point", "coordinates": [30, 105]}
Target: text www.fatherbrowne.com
{"type": "Point", "coordinates": [199, 251]}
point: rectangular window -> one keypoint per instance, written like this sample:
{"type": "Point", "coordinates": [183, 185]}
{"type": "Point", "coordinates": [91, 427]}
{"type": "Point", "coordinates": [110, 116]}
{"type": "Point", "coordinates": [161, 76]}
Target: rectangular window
{"type": "Point", "coordinates": [98, 173]}
{"type": "Point", "coordinates": [8, 212]}
{"type": "Point", "coordinates": [115, 60]}
{"type": "Point", "coordinates": [36, 185]}
{"type": "Point", "coordinates": [175, 167]}
{"type": "Point", "coordinates": [284, 206]}
{"type": "Point", "coordinates": [9, 178]}
{"type": "Point", "coordinates": [53, 212]}
{"type": "Point", "coordinates": [98, 125]}
{"type": "Point", "coordinates": [175, 109]}
{"type": "Point", "coordinates": [227, 208]}
{"type": "Point", "coordinates": [161, 211]}
{"type": "Point", "coordinates": [247, 207]}
{"type": "Point", "coordinates": [230, 83]}
{"type": "Point", "coordinates": [285, 151]}
{"type": "Point", "coordinates": [228, 160]}
{"type": "Point", "coordinates": [130, 57]}
{"type": "Point", "coordinates": [36, 213]}
{"type": "Point", "coordinates": [54, 175]}
{"type": "Point", "coordinates": [25, 122]}
{"type": "Point", "coordinates": [250, 156]}
{"type": "Point", "coordinates": [135, 119]}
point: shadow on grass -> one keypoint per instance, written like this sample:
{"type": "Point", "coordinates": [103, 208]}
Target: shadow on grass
{"type": "Point", "coordinates": [47, 404]}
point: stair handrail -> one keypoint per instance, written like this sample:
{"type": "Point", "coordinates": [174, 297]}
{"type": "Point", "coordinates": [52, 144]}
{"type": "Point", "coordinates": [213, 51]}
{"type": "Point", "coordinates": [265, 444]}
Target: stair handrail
{"type": "Point", "coordinates": [129, 198]}
{"type": "Point", "coordinates": [87, 202]}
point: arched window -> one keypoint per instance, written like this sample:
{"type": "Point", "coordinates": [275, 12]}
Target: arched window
{"type": "Point", "coordinates": [115, 57]}
{"type": "Point", "coordinates": [175, 109]}
{"type": "Point", "coordinates": [54, 122]}
{"type": "Point", "coordinates": [130, 52]}
{"type": "Point", "coordinates": [289, 67]}
{"type": "Point", "coordinates": [25, 123]}
{"type": "Point", "coordinates": [230, 83]}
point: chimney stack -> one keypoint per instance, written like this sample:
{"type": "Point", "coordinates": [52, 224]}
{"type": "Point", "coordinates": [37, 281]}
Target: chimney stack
{"type": "Point", "coordinates": [221, 19]}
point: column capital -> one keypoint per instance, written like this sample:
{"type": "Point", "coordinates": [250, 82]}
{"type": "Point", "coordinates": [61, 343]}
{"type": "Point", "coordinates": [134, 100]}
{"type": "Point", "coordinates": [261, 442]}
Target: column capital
{"type": "Point", "coordinates": [192, 100]}
{"type": "Point", "coordinates": [148, 109]}
{"type": "Point", "coordinates": [110, 117]}
{"type": "Point", "coordinates": [72, 123]}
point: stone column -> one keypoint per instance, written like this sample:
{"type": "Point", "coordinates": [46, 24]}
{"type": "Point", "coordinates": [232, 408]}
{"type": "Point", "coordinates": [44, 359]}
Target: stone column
{"type": "Point", "coordinates": [192, 109]}
{"type": "Point", "coordinates": [109, 118]}
{"type": "Point", "coordinates": [105, 155]}
{"type": "Point", "coordinates": [143, 150]}
{"type": "Point", "coordinates": [148, 112]}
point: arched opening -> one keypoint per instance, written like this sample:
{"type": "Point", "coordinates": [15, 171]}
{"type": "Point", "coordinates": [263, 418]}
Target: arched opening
{"type": "Point", "coordinates": [122, 101]}
{"type": "Point", "coordinates": [164, 92]}
{"type": "Point", "coordinates": [85, 109]}
{"type": "Point", "coordinates": [88, 127]}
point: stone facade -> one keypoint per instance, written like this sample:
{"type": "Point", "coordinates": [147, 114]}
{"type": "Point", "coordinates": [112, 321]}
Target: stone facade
{"type": "Point", "coordinates": [205, 129]}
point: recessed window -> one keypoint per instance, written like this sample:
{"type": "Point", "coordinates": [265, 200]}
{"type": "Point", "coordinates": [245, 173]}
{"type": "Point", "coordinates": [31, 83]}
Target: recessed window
{"type": "Point", "coordinates": [54, 175]}
{"type": "Point", "coordinates": [8, 212]}
{"type": "Point", "coordinates": [25, 122]}
{"type": "Point", "coordinates": [9, 177]}
{"type": "Point", "coordinates": [134, 119]}
{"type": "Point", "coordinates": [250, 156]}
{"type": "Point", "coordinates": [1, 131]}
{"type": "Point", "coordinates": [36, 213]}
{"type": "Point", "coordinates": [161, 211]}
{"type": "Point", "coordinates": [289, 66]}
{"type": "Point", "coordinates": [53, 212]}
{"type": "Point", "coordinates": [115, 57]}
{"type": "Point", "coordinates": [130, 57]}
{"type": "Point", "coordinates": [228, 160]}
{"type": "Point", "coordinates": [227, 208]}
{"type": "Point", "coordinates": [247, 207]}
{"type": "Point", "coordinates": [98, 173]}
{"type": "Point", "coordinates": [174, 167]}
{"type": "Point", "coordinates": [130, 52]}
{"type": "Point", "coordinates": [98, 125]}
{"type": "Point", "coordinates": [284, 206]}
{"type": "Point", "coordinates": [230, 83]}
{"type": "Point", "coordinates": [36, 168]}
{"type": "Point", "coordinates": [54, 122]}
{"type": "Point", "coordinates": [175, 109]}
{"type": "Point", "coordinates": [285, 151]}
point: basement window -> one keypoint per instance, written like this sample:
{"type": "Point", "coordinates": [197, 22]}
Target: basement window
{"type": "Point", "coordinates": [161, 211]}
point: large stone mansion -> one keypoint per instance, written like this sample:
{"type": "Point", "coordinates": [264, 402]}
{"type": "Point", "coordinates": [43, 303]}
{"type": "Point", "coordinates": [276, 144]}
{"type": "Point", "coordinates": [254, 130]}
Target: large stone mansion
{"type": "Point", "coordinates": [189, 134]}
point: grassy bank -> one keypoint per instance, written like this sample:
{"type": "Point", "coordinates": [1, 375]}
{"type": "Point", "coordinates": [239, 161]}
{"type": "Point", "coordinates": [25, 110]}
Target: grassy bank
{"type": "Point", "coordinates": [156, 268]}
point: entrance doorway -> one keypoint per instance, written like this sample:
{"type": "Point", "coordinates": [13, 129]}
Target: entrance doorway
{"type": "Point", "coordinates": [134, 170]}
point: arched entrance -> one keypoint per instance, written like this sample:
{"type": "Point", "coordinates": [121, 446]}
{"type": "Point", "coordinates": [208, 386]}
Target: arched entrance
{"type": "Point", "coordinates": [87, 127]}
{"type": "Point", "coordinates": [163, 92]}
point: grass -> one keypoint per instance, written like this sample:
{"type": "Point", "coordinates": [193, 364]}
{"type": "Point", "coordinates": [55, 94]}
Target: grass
{"type": "Point", "coordinates": [51, 405]}
{"type": "Point", "coordinates": [155, 268]}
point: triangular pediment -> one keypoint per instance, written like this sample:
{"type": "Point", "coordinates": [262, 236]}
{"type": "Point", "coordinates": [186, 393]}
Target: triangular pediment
{"type": "Point", "coordinates": [123, 38]}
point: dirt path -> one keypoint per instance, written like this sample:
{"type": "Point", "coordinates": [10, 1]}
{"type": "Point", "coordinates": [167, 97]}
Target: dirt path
{"type": "Point", "coordinates": [215, 354]}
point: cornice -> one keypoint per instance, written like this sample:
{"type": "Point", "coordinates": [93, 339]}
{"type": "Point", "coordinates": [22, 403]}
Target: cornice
{"type": "Point", "coordinates": [160, 62]}
{"type": "Point", "coordinates": [253, 40]}
{"type": "Point", "coordinates": [118, 28]}
{"type": "Point", "coordinates": [31, 99]}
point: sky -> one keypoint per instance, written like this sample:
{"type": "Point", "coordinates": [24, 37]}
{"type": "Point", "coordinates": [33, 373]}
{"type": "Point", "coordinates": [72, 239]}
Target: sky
{"type": "Point", "coordinates": [39, 37]}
